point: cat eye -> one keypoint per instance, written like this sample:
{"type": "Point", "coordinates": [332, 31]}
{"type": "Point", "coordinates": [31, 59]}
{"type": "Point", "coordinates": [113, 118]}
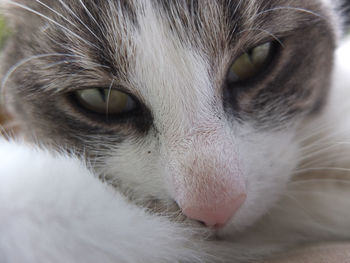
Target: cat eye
{"type": "Point", "coordinates": [105, 101]}
{"type": "Point", "coordinates": [250, 63]}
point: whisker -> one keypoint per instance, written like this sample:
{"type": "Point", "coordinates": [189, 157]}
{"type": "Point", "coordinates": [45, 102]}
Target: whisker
{"type": "Point", "coordinates": [313, 216]}
{"type": "Point", "coordinates": [262, 30]}
{"type": "Point", "coordinates": [56, 12]}
{"type": "Point", "coordinates": [279, 8]}
{"type": "Point", "coordinates": [60, 62]}
{"type": "Point", "coordinates": [291, 196]}
{"type": "Point", "coordinates": [72, 13]}
{"type": "Point", "coordinates": [89, 14]}
{"type": "Point", "coordinates": [108, 97]}
{"type": "Point", "coordinates": [237, 7]}
{"type": "Point", "coordinates": [7, 130]}
{"type": "Point", "coordinates": [52, 21]}
{"type": "Point", "coordinates": [320, 180]}
{"type": "Point", "coordinates": [4, 132]}
{"type": "Point", "coordinates": [23, 62]}
{"type": "Point", "coordinates": [328, 147]}
{"type": "Point", "coordinates": [310, 169]}
{"type": "Point", "coordinates": [320, 161]}
{"type": "Point", "coordinates": [322, 139]}
{"type": "Point", "coordinates": [73, 61]}
{"type": "Point", "coordinates": [320, 131]}
{"type": "Point", "coordinates": [316, 131]}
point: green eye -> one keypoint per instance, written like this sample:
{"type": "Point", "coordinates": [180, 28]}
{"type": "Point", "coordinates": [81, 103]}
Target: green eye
{"type": "Point", "coordinates": [250, 63]}
{"type": "Point", "coordinates": [105, 101]}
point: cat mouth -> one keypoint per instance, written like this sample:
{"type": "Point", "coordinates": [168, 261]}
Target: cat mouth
{"type": "Point", "coordinates": [172, 211]}
{"type": "Point", "coordinates": [169, 209]}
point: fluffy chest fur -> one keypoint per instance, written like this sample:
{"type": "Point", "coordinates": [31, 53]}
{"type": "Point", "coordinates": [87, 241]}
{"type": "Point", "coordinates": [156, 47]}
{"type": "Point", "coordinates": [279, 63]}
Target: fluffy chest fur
{"type": "Point", "coordinates": [198, 147]}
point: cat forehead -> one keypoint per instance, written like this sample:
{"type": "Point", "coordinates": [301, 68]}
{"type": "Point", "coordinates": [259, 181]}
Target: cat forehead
{"type": "Point", "coordinates": [105, 32]}
{"type": "Point", "coordinates": [207, 20]}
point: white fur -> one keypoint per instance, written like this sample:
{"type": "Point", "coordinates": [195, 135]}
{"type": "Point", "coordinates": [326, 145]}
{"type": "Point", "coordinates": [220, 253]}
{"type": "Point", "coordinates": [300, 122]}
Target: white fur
{"type": "Point", "coordinates": [53, 209]}
{"type": "Point", "coordinates": [193, 128]}
{"type": "Point", "coordinates": [315, 206]}
{"type": "Point", "coordinates": [333, 7]}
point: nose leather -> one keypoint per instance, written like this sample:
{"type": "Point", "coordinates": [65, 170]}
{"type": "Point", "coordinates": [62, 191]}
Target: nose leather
{"type": "Point", "coordinates": [216, 215]}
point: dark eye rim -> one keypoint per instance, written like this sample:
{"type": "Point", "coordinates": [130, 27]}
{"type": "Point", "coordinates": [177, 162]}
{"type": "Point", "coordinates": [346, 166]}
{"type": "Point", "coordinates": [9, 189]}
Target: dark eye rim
{"type": "Point", "coordinates": [269, 65]}
{"type": "Point", "coordinates": [110, 119]}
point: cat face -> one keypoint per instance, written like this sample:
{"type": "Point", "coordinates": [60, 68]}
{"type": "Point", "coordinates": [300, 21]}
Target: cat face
{"type": "Point", "coordinates": [202, 99]}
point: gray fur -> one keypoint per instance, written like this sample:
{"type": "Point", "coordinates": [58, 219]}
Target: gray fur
{"type": "Point", "coordinates": [95, 43]}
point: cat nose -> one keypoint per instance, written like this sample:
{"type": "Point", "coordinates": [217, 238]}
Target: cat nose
{"type": "Point", "coordinates": [214, 215]}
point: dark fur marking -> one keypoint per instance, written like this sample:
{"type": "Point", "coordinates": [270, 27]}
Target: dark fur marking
{"type": "Point", "coordinates": [220, 30]}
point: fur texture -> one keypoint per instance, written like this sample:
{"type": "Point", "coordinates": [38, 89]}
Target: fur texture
{"type": "Point", "coordinates": [54, 210]}
{"type": "Point", "coordinates": [195, 138]}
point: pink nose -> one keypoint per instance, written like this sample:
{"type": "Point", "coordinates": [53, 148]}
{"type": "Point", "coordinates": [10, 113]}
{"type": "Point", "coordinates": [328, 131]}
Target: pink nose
{"type": "Point", "coordinates": [216, 215]}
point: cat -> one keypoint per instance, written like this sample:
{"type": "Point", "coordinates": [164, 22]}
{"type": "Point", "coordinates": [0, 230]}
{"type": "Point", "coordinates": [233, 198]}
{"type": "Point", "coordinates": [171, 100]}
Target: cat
{"type": "Point", "coordinates": [173, 131]}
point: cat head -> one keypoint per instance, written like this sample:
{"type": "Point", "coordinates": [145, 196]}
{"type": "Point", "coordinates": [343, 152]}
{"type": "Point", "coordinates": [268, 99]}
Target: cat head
{"type": "Point", "coordinates": [194, 103]}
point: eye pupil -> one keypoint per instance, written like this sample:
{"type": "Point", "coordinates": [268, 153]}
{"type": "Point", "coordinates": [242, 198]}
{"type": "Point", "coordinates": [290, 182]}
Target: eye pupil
{"type": "Point", "coordinates": [103, 94]}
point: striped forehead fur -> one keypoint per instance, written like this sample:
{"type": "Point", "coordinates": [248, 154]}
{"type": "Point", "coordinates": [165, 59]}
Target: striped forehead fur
{"type": "Point", "coordinates": [216, 29]}
{"type": "Point", "coordinates": [215, 23]}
